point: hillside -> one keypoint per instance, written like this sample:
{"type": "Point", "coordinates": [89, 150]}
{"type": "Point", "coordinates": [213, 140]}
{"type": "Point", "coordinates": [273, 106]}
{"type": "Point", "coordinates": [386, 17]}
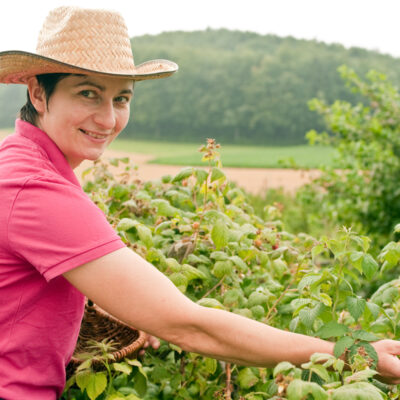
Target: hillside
{"type": "Point", "coordinates": [238, 87]}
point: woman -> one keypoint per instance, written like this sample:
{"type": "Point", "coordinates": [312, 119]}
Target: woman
{"type": "Point", "coordinates": [56, 245]}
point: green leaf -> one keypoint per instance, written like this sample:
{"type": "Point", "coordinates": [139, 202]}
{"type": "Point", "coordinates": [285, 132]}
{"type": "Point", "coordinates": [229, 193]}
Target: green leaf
{"type": "Point", "coordinates": [216, 173]}
{"type": "Point", "coordinates": [232, 297]}
{"type": "Point", "coordinates": [325, 299]}
{"type": "Point", "coordinates": [210, 365]}
{"type": "Point", "coordinates": [356, 258]}
{"type": "Point", "coordinates": [338, 365]}
{"type": "Point", "coordinates": [247, 378]}
{"type": "Point", "coordinates": [126, 224]}
{"type": "Point", "coordinates": [117, 396]}
{"type": "Point", "coordinates": [179, 280]}
{"type": "Point", "coordinates": [282, 367]}
{"type": "Point", "coordinates": [322, 358]}
{"type": "Point", "coordinates": [192, 272]}
{"type": "Point", "coordinates": [308, 280]}
{"type": "Point", "coordinates": [201, 175]}
{"type": "Point", "coordinates": [82, 379]}
{"type": "Point", "coordinates": [342, 345]}
{"type": "Point", "coordinates": [135, 363]}
{"type": "Point", "coordinates": [164, 208]}
{"type": "Point", "coordinates": [209, 302]}
{"type": "Point", "coordinates": [358, 376]}
{"type": "Point", "coordinates": [220, 234]}
{"type": "Point", "coordinates": [357, 391]}
{"type": "Point", "coordinates": [122, 367]}
{"type": "Point", "coordinates": [300, 390]}
{"type": "Point", "coordinates": [363, 335]}
{"type": "Point", "coordinates": [258, 312]}
{"type": "Point", "coordinates": [140, 384]}
{"type": "Point", "coordinates": [219, 256]}
{"type": "Point", "coordinates": [308, 315]}
{"type": "Point", "coordinates": [356, 306]}
{"type": "Point", "coordinates": [183, 174]}
{"type": "Point", "coordinates": [374, 309]}
{"type": "Point", "coordinates": [280, 267]}
{"type": "Point", "coordinates": [257, 298]}
{"type": "Point", "coordinates": [238, 262]}
{"type": "Point", "coordinates": [332, 329]}
{"type": "Point", "coordinates": [222, 268]}
{"type": "Point", "coordinates": [316, 250]}
{"type": "Point", "coordinates": [321, 371]}
{"type": "Point", "coordinates": [131, 397]}
{"type": "Point", "coordinates": [173, 265]}
{"type": "Point", "coordinates": [145, 235]}
{"type": "Point", "coordinates": [363, 347]}
{"type": "Point", "coordinates": [369, 266]}
{"type": "Point", "coordinates": [97, 384]}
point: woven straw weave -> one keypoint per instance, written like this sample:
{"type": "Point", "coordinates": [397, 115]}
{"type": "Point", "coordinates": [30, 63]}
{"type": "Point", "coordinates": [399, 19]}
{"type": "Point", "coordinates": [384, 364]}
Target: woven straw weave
{"type": "Point", "coordinates": [76, 40]}
{"type": "Point", "coordinates": [97, 325]}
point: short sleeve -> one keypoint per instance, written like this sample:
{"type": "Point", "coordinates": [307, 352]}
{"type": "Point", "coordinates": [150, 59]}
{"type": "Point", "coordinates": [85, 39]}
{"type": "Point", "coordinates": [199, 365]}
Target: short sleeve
{"type": "Point", "coordinates": [55, 227]}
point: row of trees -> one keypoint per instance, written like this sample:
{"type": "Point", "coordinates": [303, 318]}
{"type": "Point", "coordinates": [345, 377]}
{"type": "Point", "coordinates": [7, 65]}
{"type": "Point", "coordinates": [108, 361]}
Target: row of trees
{"type": "Point", "coordinates": [238, 87]}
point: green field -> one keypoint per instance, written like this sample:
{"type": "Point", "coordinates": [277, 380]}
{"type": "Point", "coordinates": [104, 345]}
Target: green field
{"type": "Point", "coordinates": [232, 156]}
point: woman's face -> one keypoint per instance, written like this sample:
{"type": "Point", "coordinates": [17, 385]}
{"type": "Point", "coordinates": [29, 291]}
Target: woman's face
{"type": "Point", "coordinates": [84, 114]}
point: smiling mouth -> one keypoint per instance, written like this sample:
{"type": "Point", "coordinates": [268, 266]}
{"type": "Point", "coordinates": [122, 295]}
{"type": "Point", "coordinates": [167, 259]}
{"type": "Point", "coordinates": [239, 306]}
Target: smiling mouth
{"type": "Point", "coordinates": [93, 135]}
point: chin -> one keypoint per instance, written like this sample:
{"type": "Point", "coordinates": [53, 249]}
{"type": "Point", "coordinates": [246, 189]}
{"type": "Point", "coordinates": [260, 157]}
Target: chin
{"type": "Point", "coordinates": [93, 157]}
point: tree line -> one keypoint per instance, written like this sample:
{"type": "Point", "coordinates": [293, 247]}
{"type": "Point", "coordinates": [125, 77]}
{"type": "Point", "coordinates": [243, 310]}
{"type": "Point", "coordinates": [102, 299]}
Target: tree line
{"type": "Point", "coordinates": [237, 87]}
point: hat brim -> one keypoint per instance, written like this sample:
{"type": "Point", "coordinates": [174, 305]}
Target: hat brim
{"type": "Point", "coordinates": [18, 66]}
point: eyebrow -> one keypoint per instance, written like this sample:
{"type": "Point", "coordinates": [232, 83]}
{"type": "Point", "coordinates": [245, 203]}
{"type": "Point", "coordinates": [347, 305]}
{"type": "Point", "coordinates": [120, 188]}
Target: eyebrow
{"type": "Point", "coordinates": [88, 82]}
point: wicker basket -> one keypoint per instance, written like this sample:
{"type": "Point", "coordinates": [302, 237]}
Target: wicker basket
{"type": "Point", "coordinates": [98, 325]}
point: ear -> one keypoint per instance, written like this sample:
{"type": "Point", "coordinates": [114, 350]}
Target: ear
{"type": "Point", "coordinates": [37, 95]}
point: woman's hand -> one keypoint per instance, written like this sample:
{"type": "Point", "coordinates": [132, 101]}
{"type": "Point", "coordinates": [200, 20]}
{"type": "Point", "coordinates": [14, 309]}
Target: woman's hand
{"type": "Point", "coordinates": [388, 362]}
{"type": "Point", "coordinates": [150, 341]}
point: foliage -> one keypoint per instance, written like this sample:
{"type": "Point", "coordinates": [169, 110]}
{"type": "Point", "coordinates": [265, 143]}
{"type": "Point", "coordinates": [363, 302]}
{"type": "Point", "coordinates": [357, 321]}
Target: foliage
{"type": "Point", "coordinates": [239, 87]}
{"type": "Point", "coordinates": [198, 229]}
{"type": "Point", "coordinates": [297, 216]}
{"type": "Point", "coordinates": [117, 380]}
{"type": "Point", "coordinates": [363, 191]}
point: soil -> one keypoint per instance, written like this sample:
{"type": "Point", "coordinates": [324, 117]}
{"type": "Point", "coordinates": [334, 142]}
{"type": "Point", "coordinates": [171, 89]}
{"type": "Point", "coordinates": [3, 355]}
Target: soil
{"type": "Point", "coordinates": [253, 180]}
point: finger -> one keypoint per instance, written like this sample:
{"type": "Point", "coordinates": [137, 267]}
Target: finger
{"type": "Point", "coordinates": [154, 342]}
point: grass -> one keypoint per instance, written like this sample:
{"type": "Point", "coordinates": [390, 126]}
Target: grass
{"type": "Point", "coordinates": [5, 131]}
{"type": "Point", "coordinates": [232, 156]}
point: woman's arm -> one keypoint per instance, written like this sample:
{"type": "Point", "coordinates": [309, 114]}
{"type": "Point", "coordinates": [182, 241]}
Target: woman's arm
{"type": "Point", "coordinates": [131, 289]}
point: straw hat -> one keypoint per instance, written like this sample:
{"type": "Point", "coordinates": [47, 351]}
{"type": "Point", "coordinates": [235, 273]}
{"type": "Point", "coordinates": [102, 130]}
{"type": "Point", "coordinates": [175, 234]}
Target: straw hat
{"type": "Point", "coordinates": [81, 41]}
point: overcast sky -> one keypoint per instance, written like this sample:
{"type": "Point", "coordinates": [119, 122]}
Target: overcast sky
{"type": "Point", "coordinates": [362, 23]}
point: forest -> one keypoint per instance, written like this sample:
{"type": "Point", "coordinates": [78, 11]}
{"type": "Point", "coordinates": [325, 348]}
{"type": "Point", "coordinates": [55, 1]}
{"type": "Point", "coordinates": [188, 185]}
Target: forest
{"type": "Point", "coordinates": [237, 87]}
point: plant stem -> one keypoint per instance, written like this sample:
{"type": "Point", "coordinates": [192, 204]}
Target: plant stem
{"type": "Point", "coordinates": [337, 292]}
{"type": "Point", "coordinates": [228, 381]}
{"type": "Point", "coordinates": [213, 288]}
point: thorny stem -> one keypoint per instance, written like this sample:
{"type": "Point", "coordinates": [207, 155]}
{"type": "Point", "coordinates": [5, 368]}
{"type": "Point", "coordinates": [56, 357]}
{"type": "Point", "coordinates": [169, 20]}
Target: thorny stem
{"type": "Point", "coordinates": [273, 307]}
{"type": "Point", "coordinates": [228, 381]}
{"type": "Point", "coordinates": [213, 288]}
{"type": "Point", "coordinates": [182, 366]}
{"type": "Point", "coordinates": [288, 289]}
{"type": "Point", "coordinates": [337, 292]}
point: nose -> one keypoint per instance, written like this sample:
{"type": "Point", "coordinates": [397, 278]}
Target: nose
{"type": "Point", "coordinates": [105, 116]}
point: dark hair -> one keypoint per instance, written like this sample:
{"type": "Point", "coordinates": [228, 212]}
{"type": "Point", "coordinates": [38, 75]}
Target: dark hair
{"type": "Point", "coordinates": [49, 82]}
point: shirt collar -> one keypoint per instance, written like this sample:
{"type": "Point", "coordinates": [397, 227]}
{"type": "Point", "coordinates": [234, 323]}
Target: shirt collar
{"type": "Point", "coordinates": [36, 135]}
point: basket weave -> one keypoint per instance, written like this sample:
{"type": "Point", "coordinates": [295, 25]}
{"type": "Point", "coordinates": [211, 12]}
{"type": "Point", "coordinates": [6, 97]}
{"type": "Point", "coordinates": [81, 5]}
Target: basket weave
{"type": "Point", "coordinates": [97, 325]}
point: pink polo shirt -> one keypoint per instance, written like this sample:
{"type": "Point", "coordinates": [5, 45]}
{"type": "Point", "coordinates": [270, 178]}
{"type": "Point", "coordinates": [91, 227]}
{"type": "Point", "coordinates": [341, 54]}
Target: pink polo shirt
{"type": "Point", "coordinates": [48, 226]}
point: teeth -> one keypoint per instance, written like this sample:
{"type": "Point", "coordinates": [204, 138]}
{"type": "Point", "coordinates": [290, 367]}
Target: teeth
{"type": "Point", "coordinates": [93, 134]}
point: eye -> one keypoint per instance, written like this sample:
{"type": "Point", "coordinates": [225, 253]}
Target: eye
{"type": "Point", "coordinates": [122, 99]}
{"type": "Point", "coordinates": [89, 94]}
